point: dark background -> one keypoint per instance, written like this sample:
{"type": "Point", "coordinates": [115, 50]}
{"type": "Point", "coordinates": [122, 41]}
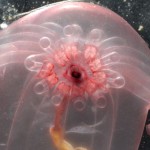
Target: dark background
{"type": "Point", "coordinates": [135, 12]}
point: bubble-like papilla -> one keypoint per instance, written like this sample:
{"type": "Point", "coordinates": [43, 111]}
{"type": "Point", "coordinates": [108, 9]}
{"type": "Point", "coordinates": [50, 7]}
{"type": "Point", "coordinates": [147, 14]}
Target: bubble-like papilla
{"type": "Point", "coordinates": [73, 76]}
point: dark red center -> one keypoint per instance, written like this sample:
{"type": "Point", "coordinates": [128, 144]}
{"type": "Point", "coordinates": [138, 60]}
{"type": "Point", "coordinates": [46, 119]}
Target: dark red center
{"type": "Point", "coordinates": [76, 74]}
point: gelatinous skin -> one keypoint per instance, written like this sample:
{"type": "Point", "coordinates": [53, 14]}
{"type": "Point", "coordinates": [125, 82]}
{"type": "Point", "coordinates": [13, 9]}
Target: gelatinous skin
{"type": "Point", "coordinates": [74, 76]}
{"type": "Point", "coordinates": [71, 70]}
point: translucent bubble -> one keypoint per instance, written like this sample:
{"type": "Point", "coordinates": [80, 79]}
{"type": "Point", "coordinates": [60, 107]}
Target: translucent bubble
{"type": "Point", "coordinates": [101, 102]}
{"type": "Point", "coordinates": [73, 30]}
{"type": "Point", "coordinates": [117, 82]}
{"type": "Point", "coordinates": [79, 104]}
{"type": "Point", "coordinates": [115, 79]}
{"type": "Point", "coordinates": [56, 99]}
{"type": "Point", "coordinates": [95, 35]}
{"type": "Point", "coordinates": [41, 87]}
{"type": "Point", "coordinates": [45, 43]}
{"type": "Point", "coordinates": [35, 62]}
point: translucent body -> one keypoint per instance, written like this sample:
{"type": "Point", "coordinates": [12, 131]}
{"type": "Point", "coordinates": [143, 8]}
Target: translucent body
{"type": "Point", "coordinates": [83, 52]}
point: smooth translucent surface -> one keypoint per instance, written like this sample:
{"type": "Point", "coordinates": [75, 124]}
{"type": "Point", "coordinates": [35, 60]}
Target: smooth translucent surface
{"type": "Point", "coordinates": [86, 52]}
